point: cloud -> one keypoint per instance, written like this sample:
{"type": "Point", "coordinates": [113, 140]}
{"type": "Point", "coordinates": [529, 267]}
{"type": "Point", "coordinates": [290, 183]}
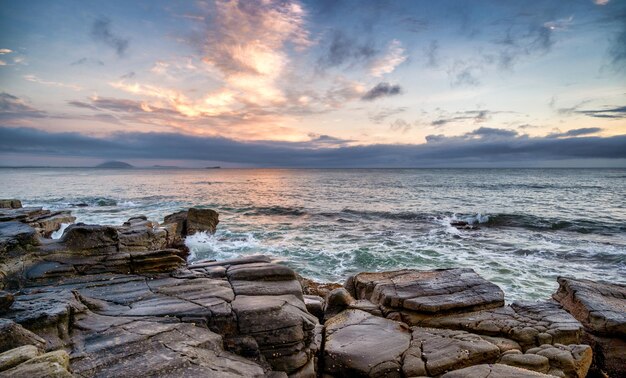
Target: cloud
{"type": "Point", "coordinates": [484, 147]}
{"type": "Point", "coordinates": [5, 51]}
{"type": "Point", "coordinates": [617, 49]}
{"type": "Point", "coordinates": [35, 79]}
{"type": "Point", "coordinates": [432, 54]}
{"type": "Point", "coordinates": [464, 73]}
{"type": "Point", "coordinates": [87, 61]}
{"type": "Point", "coordinates": [14, 108]}
{"type": "Point", "coordinates": [101, 32]}
{"type": "Point", "coordinates": [614, 113]}
{"type": "Point", "coordinates": [342, 49]}
{"type": "Point", "coordinates": [383, 89]}
{"type": "Point", "coordinates": [415, 25]}
{"type": "Point", "coordinates": [477, 116]}
{"type": "Point", "coordinates": [576, 132]}
{"type": "Point", "coordinates": [383, 114]}
{"type": "Point", "coordinates": [601, 2]}
{"type": "Point", "coordinates": [247, 42]}
{"type": "Point", "coordinates": [393, 58]}
{"type": "Point", "coordinates": [400, 125]}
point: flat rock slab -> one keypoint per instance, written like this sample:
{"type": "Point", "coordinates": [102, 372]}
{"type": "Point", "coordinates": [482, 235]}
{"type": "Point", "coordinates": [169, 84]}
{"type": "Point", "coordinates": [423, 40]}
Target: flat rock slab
{"type": "Point", "coordinates": [492, 371]}
{"type": "Point", "coordinates": [427, 292]}
{"type": "Point", "coordinates": [107, 346]}
{"type": "Point", "coordinates": [360, 344]}
{"type": "Point", "coordinates": [435, 351]}
{"type": "Point", "coordinates": [600, 306]}
{"type": "Point", "coordinates": [528, 323]}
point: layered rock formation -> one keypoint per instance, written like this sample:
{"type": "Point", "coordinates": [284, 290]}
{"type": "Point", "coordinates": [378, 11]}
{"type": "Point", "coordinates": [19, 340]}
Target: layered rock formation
{"type": "Point", "coordinates": [123, 301]}
{"type": "Point", "coordinates": [601, 308]}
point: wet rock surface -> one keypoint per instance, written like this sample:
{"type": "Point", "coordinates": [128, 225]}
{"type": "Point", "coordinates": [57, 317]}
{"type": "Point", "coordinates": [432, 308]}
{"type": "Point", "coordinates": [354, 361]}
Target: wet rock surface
{"type": "Point", "coordinates": [422, 294]}
{"type": "Point", "coordinates": [45, 222]}
{"type": "Point", "coordinates": [123, 301]}
{"type": "Point", "coordinates": [601, 308]}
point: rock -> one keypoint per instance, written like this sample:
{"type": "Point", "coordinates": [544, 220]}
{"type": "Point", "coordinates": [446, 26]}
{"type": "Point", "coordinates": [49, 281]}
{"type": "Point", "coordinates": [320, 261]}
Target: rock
{"type": "Point", "coordinates": [13, 335]}
{"type": "Point", "coordinates": [6, 300]}
{"type": "Point", "coordinates": [281, 326]}
{"type": "Point", "coordinates": [360, 344]}
{"type": "Point", "coordinates": [601, 308]}
{"type": "Point", "coordinates": [53, 364]}
{"type": "Point", "coordinates": [533, 362]}
{"type": "Point", "coordinates": [16, 238]}
{"type": "Point", "coordinates": [315, 305]}
{"type": "Point", "coordinates": [48, 314]}
{"type": "Point", "coordinates": [10, 204]}
{"type": "Point", "coordinates": [566, 360]}
{"type": "Point", "coordinates": [199, 220]}
{"type": "Point", "coordinates": [609, 353]}
{"type": "Point", "coordinates": [90, 239]}
{"type": "Point", "coordinates": [528, 323]}
{"type": "Point", "coordinates": [133, 347]}
{"type": "Point", "coordinates": [496, 370]}
{"type": "Point", "coordinates": [45, 222]}
{"type": "Point", "coordinates": [139, 234]}
{"type": "Point", "coordinates": [434, 352]}
{"type": "Point", "coordinates": [49, 223]}
{"type": "Point", "coordinates": [184, 223]}
{"type": "Point", "coordinates": [16, 356]}
{"type": "Point", "coordinates": [422, 294]}
{"type": "Point", "coordinates": [337, 301]}
{"type": "Point", "coordinates": [310, 287]}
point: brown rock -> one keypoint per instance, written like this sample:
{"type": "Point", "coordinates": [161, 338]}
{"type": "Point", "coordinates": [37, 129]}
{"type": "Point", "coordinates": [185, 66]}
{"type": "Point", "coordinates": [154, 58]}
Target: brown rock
{"type": "Point", "coordinates": [420, 294]}
{"type": "Point", "coordinates": [6, 300]}
{"type": "Point", "coordinates": [10, 204]}
{"type": "Point", "coordinates": [524, 322]}
{"type": "Point", "coordinates": [360, 344]}
{"type": "Point", "coordinates": [496, 370]}
{"type": "Point", "coordinates": [434, 352]}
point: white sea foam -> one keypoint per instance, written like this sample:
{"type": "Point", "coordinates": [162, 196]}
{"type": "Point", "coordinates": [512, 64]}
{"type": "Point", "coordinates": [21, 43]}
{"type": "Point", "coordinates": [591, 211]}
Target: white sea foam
{"type": "Point", "coordinates": [222, 245]}
{"type": "Point", "coordinates": [58, 233]}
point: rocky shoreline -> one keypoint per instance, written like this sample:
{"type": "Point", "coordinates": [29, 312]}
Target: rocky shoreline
{"type": "Point", "coordinates": [106, 301]}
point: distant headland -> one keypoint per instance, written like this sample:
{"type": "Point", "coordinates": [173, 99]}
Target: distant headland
{"type": "Point", "coordinates": [114, 164]}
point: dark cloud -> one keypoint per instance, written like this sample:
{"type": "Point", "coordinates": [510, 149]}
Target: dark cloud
{"type": "Point", "coordinates": [87, 61]}
{"type": "Point", "coordinates": [129, 75]}
{"type": "Point", "coordinates": [382, 90]}
{"type": "Point", "coordinates": [484, 146]}
{"type": "Point", "coordinates": [400, 125]}
{"type": "Point", "coordinates": [576, 132]}
{"type": "Point", "coordinates": [101, 32]}
{"type": "Point", "coordinates": [465, 73]}
{"type": "Point", "coordinates": [13, 107]}
{"type": "Point", "coordinates": [413, 24]}
{"type": "Point", "coordinates": [383, 114]}
{"type": "Point", "coordinates": [432, 54]}
{"type": "Point", "coordinates": [614, 113]}
{"type": "Point", "coordinates": [617, 50]}
{"type": "Point", "coordinates": [342, 49]}
{"type": "Point", "coordinates": [478, 116]}
{"type": "Point", "coordinates": [84, 105]}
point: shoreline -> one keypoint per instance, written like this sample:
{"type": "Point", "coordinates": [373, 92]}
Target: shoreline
{"type": "Point", "coordinates": [133, 287]}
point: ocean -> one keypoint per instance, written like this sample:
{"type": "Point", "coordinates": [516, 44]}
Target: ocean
{"type": "Point", "coordinates": [533, 225]}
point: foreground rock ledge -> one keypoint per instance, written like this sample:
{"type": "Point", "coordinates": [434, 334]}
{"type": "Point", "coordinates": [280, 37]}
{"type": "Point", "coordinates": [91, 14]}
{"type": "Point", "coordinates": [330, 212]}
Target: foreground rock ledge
{"type": "Point", "coordinates": [122, 301]}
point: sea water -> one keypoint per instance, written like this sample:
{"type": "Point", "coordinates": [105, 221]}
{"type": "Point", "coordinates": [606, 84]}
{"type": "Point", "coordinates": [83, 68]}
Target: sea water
{"type": "Point", "coordinates": [533, 225]}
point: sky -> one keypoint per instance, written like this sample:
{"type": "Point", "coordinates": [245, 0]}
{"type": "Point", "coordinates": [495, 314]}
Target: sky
{"type": "Point", "coordinates": [326, 83]}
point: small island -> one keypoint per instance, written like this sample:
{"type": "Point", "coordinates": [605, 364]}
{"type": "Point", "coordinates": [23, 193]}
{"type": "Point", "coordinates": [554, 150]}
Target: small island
{"type": "Point", "coordinates": [114, 164]}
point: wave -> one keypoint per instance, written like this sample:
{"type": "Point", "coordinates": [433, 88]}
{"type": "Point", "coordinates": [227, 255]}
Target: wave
{"type": "Point", "coordinates": [401, 215]}
{"type": "Point", "coordinates": [532, 222]}
{"type": "Point", "coordinates": [275, 210]}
